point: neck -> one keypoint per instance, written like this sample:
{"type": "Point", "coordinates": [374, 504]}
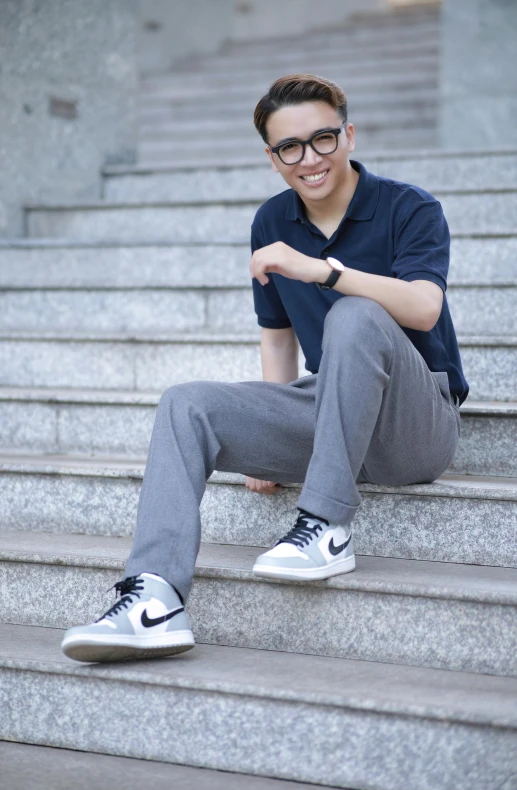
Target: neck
{"type": "Point", "coordinates": [334, 206]}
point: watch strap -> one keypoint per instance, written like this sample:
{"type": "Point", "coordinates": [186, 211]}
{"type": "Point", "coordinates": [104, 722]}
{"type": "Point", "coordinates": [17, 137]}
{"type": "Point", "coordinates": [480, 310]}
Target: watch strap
{"type": "Point", "coordinates": [330, 281]}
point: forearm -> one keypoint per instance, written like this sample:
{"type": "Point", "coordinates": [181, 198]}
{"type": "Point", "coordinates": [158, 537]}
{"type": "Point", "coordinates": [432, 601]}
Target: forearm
{"type": "Point", "coordinates": [279, 358]}
{"type": "Point", "coordinates": [408, 306]}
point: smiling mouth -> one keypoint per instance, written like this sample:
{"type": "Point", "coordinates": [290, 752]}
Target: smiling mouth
{"type": "Point", "coordinates": [314, 177]}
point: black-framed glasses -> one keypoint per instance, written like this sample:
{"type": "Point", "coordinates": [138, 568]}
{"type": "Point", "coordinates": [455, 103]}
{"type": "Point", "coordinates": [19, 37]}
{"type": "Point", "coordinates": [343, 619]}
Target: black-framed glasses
{"type": "Point", "coordinates": [292, 151]}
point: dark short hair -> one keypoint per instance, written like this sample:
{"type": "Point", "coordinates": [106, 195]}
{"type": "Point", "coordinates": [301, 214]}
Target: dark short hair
{"type": "Point", "coordinates": [295, 89]}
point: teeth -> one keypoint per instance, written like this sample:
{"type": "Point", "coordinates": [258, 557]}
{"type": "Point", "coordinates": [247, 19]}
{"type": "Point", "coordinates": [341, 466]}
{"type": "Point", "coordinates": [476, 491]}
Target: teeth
{"type": "Point", "coordinates": [315, 178]}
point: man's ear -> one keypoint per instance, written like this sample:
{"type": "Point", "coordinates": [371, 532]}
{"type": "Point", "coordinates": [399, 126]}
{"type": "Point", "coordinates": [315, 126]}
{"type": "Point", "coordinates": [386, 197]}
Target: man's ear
{"type": "Point", "coordinates": [350, 136]}
{"type": "Point", "coordinates": [273, 165]}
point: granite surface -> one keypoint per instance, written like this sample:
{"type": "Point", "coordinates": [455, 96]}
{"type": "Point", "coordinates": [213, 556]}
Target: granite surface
{"type": "Point", "coordinates": [431, 173]}
{"type": "Point", "coordinates": [475, 309]}
{"type": "Point", "coordinates": [446, 616]}
{"type": "Point", "coordinates": [91, 62]}
{"type": "Point", "coordinates": [465, 519]}
{"type": "Point", "coordinates": [62, 263]}
{"type": "Point", "coordinates": [478, 212]}
{"type": "Point", "coordinates": [378, 727]}
{"type": "Point", "coordinates": [123, 361]}
{"type": "Point", "coordinates": [32, 766]}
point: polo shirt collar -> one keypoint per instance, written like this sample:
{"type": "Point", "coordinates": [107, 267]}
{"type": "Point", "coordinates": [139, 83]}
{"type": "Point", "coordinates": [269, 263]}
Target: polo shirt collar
{"type": "Point", "coordinates": [361, 207]}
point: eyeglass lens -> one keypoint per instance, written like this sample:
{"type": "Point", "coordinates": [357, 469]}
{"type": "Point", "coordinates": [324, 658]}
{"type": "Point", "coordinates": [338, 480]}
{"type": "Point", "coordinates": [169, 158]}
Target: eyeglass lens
{"type": "Point", "coordinates": [325, 143]}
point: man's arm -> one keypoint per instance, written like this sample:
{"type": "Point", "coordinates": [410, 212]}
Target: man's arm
{"type": "Point", "coordinates": [279, 355]}
{"type": "Point", "coordinates": [415, 304]}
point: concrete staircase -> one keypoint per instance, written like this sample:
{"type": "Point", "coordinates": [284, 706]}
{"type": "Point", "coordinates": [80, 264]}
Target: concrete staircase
{"type": "Point", "coordinates": [387, 64]}
{"type": "Point", "coordinates": [399, 676]}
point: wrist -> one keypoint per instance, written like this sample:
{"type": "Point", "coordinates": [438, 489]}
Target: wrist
{"type": "Point", "coordinates": [321, 271]}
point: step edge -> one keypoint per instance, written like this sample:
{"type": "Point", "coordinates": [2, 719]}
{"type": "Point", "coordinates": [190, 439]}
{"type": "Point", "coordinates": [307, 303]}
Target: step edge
{"type": "Point", "coordinates": [347, 583]}
{"type": "Point", "coordinates": [350, 702]}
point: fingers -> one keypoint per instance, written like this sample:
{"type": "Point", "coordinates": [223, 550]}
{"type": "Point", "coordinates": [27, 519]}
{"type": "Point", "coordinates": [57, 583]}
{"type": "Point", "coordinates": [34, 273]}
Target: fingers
{"type": "Point", "coordinates": [262, 486]}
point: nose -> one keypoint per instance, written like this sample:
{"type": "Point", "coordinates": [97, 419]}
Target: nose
{"type": "Point", "coordinates": [310, 158]}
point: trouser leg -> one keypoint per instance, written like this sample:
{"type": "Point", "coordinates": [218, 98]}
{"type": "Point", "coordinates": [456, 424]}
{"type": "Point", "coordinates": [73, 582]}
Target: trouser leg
{"type": "Point", "coordinates": [374, 412]}
{"type": "Point", "coordinates": [260, 429]}
{"type": "Point", "coordinates": [381, 415]}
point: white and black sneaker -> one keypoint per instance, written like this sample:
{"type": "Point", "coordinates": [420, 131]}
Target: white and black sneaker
{"type": "Point", "coordinates": [312, 549]}
{"type": "Point", "coordinates": [148, 621]}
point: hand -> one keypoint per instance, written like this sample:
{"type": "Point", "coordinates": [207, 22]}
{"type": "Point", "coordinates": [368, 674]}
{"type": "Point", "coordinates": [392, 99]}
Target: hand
{"type": "Point", "coordinates": [262, 486]}
{"type": "Point", "coordinates": [281, 258]}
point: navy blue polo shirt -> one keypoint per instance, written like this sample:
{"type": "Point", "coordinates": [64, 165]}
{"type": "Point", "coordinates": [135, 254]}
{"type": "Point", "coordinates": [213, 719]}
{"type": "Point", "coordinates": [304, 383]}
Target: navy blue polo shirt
{"type": "Point", "coordinates": [389, 228]}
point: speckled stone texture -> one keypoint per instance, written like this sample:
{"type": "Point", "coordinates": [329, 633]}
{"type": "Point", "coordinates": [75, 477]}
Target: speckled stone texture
{"type": "Point", "coordinates": [249, 711]}
{"type": "Point", "coordinates": [125, 364]}
{"type": "Point", "coordinates": [121, 361]}
{"type": "Point", "coordinates": [58, 263]}
{"type": "Point", "coordinates": [33, 767]}
{"type": "Point", "coordinates": [450, 521]}
{"type": "Point", "coordinates": [474, 310]}
{"type": "Point", "coordinates": [215, 223]}
{"type": "Point", "coordinates": [118, 311]}
{"type": "Point", "coordinates": [91, 62]}
{"type": "Point", "coordinates": [54, 263]}
{"type": "Point", "coordinates": [432, 614]}
{"type": "Point", "coordinates": [466, 213]}
{"type": "Point", "coordinates": [432, 172]}
{"type": "Point", "coordinates": [101, 505]}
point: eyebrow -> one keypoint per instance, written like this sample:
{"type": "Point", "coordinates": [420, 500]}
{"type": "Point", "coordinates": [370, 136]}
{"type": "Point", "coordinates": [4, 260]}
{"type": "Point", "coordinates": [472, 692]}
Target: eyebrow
{"type": "Point", "coordinates": [292, 139]}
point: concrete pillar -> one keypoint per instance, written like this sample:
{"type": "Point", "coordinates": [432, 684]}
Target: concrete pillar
{"type": "Point", "coordinates": [68, 92]}
{"type": "Point", "coordinates": [478, 74]}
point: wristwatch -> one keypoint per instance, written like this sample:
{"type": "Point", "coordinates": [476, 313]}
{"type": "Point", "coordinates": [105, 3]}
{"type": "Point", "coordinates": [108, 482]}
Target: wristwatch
{"type": "Point", "coordinates": [337, 268]}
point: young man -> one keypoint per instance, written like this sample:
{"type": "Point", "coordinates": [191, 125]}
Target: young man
{"type": "Point", "coordinates": [354, 267]}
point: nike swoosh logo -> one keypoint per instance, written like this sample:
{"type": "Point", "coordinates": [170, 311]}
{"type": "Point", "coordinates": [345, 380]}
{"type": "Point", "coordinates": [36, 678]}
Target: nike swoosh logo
{"type": "Point", "coordinates": [336, 549]}
{"type": "Point", "coordinates": [148, 622]}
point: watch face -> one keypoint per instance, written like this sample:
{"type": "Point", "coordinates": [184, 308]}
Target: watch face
{"type": "Point", "coordinates": [336, 264]}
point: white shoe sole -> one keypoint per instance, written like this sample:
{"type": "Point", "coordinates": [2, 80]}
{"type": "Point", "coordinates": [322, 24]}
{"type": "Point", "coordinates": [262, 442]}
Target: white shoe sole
{"type": "Point", "coordinates": [334, 569]}
{"type": "Point", "coordinates": [107, 647]}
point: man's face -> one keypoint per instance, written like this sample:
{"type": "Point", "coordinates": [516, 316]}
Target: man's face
{"type": "Point", "coordinates": [300, 122]}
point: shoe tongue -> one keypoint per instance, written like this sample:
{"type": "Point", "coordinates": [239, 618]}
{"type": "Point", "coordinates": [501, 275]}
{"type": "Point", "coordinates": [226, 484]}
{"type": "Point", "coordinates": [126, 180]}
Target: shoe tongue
{"type": "Point", "coordinates": [311, 515]}
{"type": "Point", "coordinates": [153, 576]}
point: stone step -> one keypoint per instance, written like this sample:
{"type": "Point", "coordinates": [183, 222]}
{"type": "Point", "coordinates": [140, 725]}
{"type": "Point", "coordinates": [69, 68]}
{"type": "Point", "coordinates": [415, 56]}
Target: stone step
{"type": "Point", "coordinates": [469, 212]}
{"type": "Point", "coordinates": [350, 724]}
{"type": "Point", "coordinates": [475, 310]}
{"type": "Point", "coordinates": [161, 156]}
{"type": "Point", "coordinates": [401, 80]}
{"type": "Point", "coordinates": [33, 767]}
{"type": "Point", "coordinates": [353, 53]}
{"type": "Point", "coordinates": [243, 108]}
{"type": "Point", "coordinates": [462, 519]}
{"type": "Point", "coordinates": [69, 421]}
{"type": "Point", "coordinates": [439, 171]}
{"type": "Point", "coordinates": [367, 36]}
{"type": "Point", "coordinates": [418, 134]}
{"type": "Point", "coordinates": [242, 130]}
{"type": "Point", "coordinates": [60, 264]}
{"type": "Point", "coordinates": [136, 361]}
{"type": "Point", "coordinates": [365, 114]}
{"type": "Point", "coordinates": [357, 59]}
{"type": "Point", "coordinates": [460, 617]}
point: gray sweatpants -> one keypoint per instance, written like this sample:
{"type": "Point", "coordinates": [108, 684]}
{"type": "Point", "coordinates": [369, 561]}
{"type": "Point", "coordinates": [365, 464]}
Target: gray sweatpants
{"type": "Point", "coordinates": [374, 413]}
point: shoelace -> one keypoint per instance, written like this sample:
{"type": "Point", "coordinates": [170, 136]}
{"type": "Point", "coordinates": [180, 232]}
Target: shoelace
{"type": "Point", "coordinates": [127, 588]}
{"type": "Point", "coordinates": [302, 533]}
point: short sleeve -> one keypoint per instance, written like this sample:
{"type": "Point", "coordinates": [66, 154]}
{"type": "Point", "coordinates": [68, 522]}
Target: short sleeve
{"type": "Point", "coordinates": [268, 305]}
{"type": "Point", "coordinates": [422, 245]}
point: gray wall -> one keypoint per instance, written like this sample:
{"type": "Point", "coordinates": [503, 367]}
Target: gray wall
{"type": "Point", "coordinates": [479, 76]}
{"type": "Point", "coordinates": [72, 51]}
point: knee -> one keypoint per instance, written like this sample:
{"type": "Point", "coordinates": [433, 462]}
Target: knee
{"type": "Point", "coordinates": [355, 316]}
{"type": "Point", "coordinates": [189, 393]}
